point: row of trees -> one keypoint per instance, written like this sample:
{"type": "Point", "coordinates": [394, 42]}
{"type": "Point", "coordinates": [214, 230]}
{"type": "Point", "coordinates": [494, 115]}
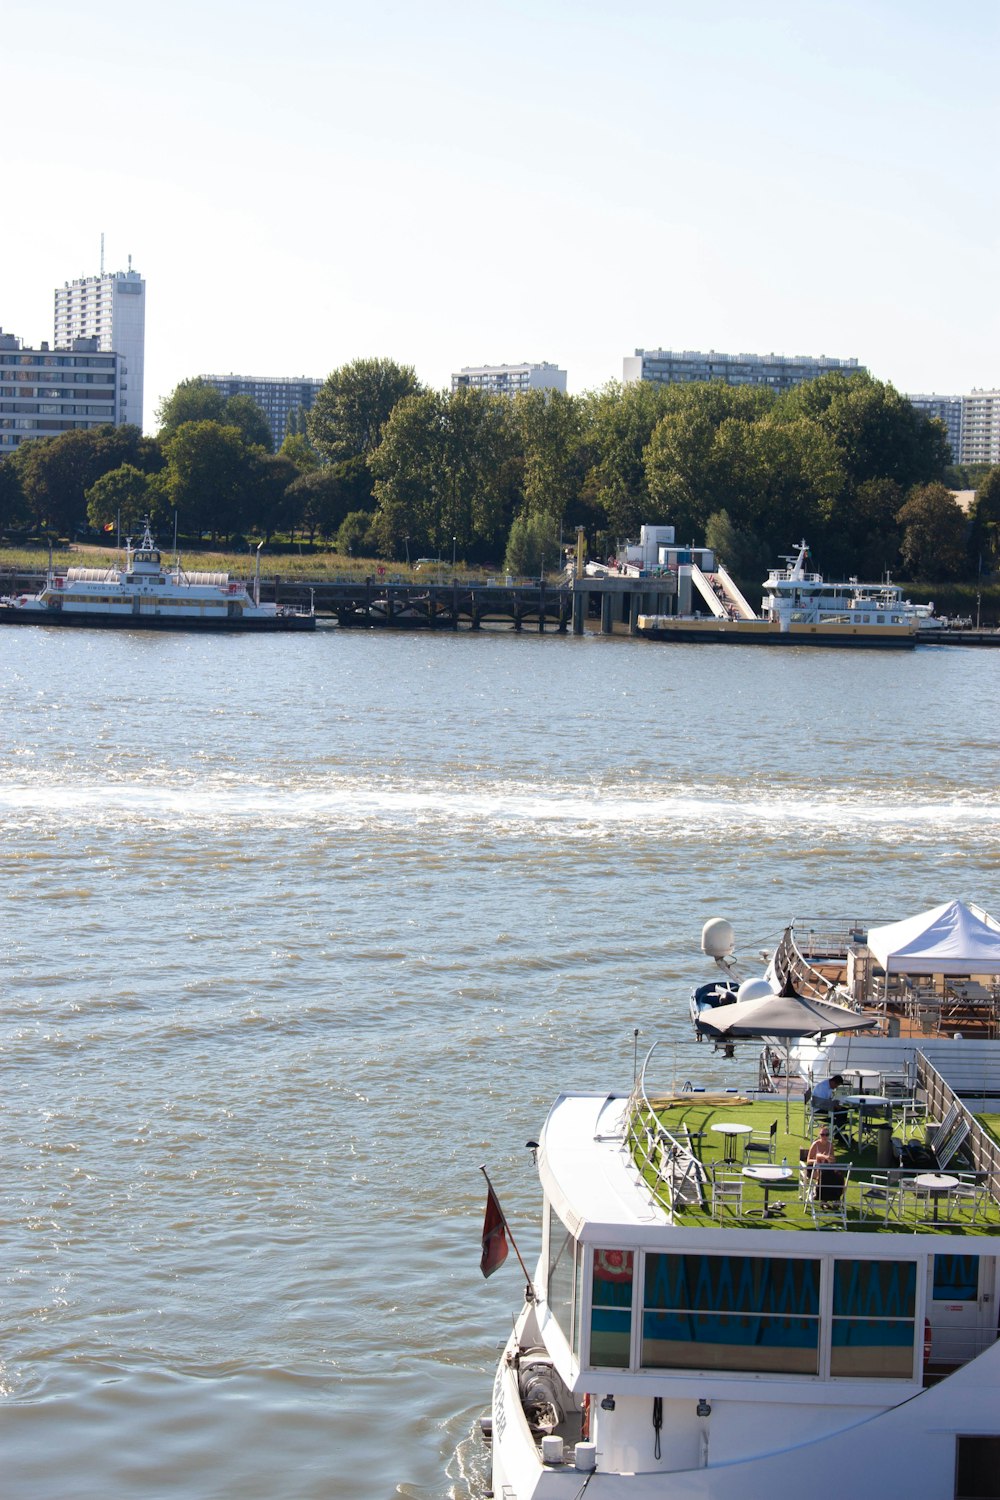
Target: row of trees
{"type": "Point", "coordinates": [381, 465]}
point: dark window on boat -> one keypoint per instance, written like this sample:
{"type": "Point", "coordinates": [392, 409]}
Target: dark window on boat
{"type": "Point", "coordinates": [977, 1468]}
{"type": "Point", "coordinates": [562, 1280]}
{"type": "Point", "coordinates": [611, 1309]}
{"type": "Point", "coordinates": [731, 1312]}
{"type": "Point", "coordinates": [874, 1303]}
{"type": "Point", "coordinates": [956, 1278]}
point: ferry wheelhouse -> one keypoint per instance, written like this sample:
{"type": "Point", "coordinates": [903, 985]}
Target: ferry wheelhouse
{"type": "Point", "coordinates": [143, 594]}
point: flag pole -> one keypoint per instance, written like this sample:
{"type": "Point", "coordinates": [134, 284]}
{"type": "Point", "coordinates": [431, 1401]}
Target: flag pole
{"type": "Point", "coordinates": [530, 1288]}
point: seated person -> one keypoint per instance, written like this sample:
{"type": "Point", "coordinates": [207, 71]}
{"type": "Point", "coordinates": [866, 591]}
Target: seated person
{"type": "Point", "coordinates": [820, 1160]}
{"type": "Point", "coordinates": [823, 1101]}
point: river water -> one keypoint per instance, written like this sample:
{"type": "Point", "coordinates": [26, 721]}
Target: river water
{"type": "Point", "coordinates": [298, 932]}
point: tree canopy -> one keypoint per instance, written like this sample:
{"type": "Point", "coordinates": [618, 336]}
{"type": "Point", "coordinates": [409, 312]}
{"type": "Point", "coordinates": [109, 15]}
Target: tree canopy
{"type": "Point", "coordinates": [354, 404]}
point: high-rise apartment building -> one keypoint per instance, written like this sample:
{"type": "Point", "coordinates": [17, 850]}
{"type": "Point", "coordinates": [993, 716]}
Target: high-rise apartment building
{"type": "Point", "coordinates": [110, 307]}
{"type": "Point", "coordinates": [44, 392]}
{"type": "Point", "coordinates": [981, 427]}
{"type": "Point", "coordinates": [508, 380]}
{"type": "Point", "coordinates": [780, 372]}
{"type": "Point", "coordinates": [276, 395]}
{"type": "Point", "coordinates": [947, 409]}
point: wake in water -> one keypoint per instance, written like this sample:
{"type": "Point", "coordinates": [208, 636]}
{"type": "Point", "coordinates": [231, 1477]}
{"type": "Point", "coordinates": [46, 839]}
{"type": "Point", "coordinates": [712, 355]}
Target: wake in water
{"type": "Point", "coordinates": [718, 810]}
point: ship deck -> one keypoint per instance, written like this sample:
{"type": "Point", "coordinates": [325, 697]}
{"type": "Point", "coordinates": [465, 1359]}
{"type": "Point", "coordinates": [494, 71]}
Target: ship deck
{"type": "Point", "coordinates": [692, 1121]}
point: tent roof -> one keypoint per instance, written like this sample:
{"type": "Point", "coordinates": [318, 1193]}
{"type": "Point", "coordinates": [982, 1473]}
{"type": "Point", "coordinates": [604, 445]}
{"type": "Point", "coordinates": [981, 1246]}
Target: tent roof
{"type": "Point", "coordinates": [949, 939]}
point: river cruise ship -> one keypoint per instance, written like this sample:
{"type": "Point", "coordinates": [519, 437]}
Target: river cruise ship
{"type": "Point", "coordinates": [722, 1312]}
{"type": "Point", "coordinates": [144, 594]}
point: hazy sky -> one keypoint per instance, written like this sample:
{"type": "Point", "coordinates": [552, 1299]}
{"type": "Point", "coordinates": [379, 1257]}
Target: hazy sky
{"type": "Point", "coordinates": [450, 182]}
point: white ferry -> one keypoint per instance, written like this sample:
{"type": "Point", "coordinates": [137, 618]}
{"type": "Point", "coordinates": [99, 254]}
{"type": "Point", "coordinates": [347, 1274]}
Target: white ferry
{"type": "Point", "coordinates": [798, 608]}
{"type": "Point", "coordinates": [145, 595]}
{"type": "Point", "coordinates": [711, 1319]}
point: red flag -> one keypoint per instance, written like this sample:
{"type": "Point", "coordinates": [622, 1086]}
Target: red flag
{"type": "Point", "coordinates": [109, 526]}
{"type": "Point", "coordinates": [494, 1236]}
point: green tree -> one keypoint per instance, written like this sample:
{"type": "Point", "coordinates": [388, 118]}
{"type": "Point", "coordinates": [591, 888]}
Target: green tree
{"type": "Point", "coordinates": [533, 545]}
{"type": "Point", "coordinates": [56, 473]}
{"type": "Point", "coordinates": [354, 404]}
{"type": "Point", "coordinates": [242, 411]}
{"type": "Point", "coordinates": [879, 434]}
{"type": "Point", "coordinates": [551, 430]}
{"type": "Point", "coordinates": [300, 451]}
{"type": "Point", "coordinates": [13, 506]}
{"type": "Point", "coordinates": [355, 537]}
{"type": "Point", "coordinates": [443, 473]}
{"type": "Point", "coordinates": [194, 400]}
{"type": "Point", "coordinates": [211, 478]}
{"type": "Point", "coordinates": [120, 495]}
{"type": "Point", "coordinates": [622, 420]}
{"type": "Point", "coordinates": [933, 527]}
{"type": "Point", "coordinates": [985, 519]}
{"type": "Point", "coordinates": [323, 499]}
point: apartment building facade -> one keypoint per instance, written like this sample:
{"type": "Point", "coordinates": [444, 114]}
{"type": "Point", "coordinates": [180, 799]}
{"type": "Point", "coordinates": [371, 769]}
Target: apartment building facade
{"type": "Point", "coordinates": [45, 392]}
{"type": "Point", "coordinates": [110, 308]}
{"type": "Point", "coordinates": [510, 380]}
{"type": "Point", "coordinates": [779, 372]}
{"type": "Point", "coordinates": [276, 395]}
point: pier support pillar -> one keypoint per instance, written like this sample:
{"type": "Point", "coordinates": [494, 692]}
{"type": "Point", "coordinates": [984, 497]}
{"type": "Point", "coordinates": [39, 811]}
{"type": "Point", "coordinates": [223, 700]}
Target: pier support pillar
{"type": "Point", "coordinates": [607, 614]}
{"type": "Point", "coordinates": [579, 610]}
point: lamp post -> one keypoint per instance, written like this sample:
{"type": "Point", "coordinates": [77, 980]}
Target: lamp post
{"type": "Point", "coordinates": [454, 543]}
{"type": "Point", "coordinates": [406, 539]}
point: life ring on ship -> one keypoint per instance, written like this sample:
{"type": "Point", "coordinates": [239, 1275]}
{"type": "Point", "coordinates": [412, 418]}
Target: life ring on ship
{"type": "Point", "coordinates": [585, 1419]}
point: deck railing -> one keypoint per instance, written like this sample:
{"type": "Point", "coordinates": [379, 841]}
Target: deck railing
{"type": "Point", "coordinates": [672, 1172]}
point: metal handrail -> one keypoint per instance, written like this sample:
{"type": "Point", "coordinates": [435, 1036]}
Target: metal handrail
{"type": "Point", "coordinates": [674, 1165]}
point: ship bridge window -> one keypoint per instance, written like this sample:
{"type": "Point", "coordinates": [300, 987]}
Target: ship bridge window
{"type": "Point", "coordinates": [564, 1278]}
{"type": "Point", "coordinates": [874, 1306]}
{"type": "Point", "coordinates": [611, 1309]}
{"type": "Point", "coordinates": [734, 1312]}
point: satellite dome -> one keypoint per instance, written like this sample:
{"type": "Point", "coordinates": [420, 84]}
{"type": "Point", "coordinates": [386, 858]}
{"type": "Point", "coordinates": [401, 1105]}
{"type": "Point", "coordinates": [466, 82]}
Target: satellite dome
{"type": "Point", "coordinates": [754, 989]}
{"type": "Point", "coordinates": [717, 938]}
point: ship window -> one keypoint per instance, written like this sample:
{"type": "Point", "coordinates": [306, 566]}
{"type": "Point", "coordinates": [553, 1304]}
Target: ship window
{"type": "Point", "coordinates": [611, 1309]}
{"type": "Point", "coordinates": [977, 1468]}
{"type": "Point", "coordinates": [731, 1313]}
{"type": "Point", "coordinates": [874, 1303]}
{"type": "Point", "coordinates": [562, 1280]}
{"type": "Point", "coordinates": [956, 1278]}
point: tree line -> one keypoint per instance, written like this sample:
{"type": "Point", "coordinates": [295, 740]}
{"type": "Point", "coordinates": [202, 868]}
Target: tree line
{"type": "Point", "coordinates": [382, 466]}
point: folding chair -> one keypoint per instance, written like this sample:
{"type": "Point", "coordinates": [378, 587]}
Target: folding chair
{"type": "Point", "coordinates": [761, 1142]}
{"type": "Point", "coordinates": [828, 1197]}
{"type": "Point", "coordinates": [727, 1193]}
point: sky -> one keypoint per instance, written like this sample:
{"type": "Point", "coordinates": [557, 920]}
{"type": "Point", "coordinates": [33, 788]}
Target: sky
{"type": "Point", "coordinates": [452, 182]}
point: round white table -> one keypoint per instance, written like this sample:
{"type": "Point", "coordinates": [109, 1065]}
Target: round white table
{"type": "Point", "coordinates": [732, 1134]}
{"type": "Point", "coordinates": [768, 1177]}
{"type": "Point", "coordinates": [936, 1185]}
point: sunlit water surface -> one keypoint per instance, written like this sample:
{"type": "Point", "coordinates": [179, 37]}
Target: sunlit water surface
{"type": "Point", "coordinates": [298, 932]}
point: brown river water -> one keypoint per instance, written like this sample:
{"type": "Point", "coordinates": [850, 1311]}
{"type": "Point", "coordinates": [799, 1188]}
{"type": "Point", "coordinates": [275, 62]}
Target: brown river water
{"type": "Point", "coordinates": [297, 932]}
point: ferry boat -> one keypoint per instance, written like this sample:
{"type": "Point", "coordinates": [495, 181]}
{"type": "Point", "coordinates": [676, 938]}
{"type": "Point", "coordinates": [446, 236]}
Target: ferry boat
{"type": "Point", "coordinates": [711, 1319]}
{"type": "Point", "coordinates": [799, 608]}
{"type": "Point", "coordinates": [143, 594]}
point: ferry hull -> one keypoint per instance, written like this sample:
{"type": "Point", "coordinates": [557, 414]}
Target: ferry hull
{"type": "Point", "coordinates": [77, 620]}
{"type": "Point", "coordinates": [764, 633]}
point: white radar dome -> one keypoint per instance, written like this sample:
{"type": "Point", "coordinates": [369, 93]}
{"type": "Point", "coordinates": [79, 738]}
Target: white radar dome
{"type": "Point", "coordinates": [717, 938]}
{"type": "Point", "coordinates": [754, 989]}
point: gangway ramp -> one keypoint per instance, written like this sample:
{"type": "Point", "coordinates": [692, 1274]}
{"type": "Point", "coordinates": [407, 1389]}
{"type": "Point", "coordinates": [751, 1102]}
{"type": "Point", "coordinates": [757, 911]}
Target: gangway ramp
{"type": "Point", "coordinates": [721, 594]}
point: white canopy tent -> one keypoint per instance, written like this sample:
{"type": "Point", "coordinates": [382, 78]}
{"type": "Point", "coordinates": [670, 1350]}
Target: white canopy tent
{"type": "Point", "coordinates": [949, 939]}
